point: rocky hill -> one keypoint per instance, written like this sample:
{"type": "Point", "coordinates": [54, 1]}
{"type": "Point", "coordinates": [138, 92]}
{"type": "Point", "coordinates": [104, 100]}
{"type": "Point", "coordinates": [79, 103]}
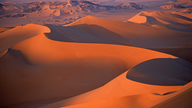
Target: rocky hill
{"type": "Point", "coordinates": [172, 6]}
{"type": "Point", "coordinates": [43, 8]}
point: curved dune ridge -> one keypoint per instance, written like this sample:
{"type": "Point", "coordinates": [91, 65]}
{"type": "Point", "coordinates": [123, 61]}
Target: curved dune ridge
{"type": "Point", "coordinates": [93, 29]}
{"type": "Point", "coordinates": [161, 19]}
{"type": "Point", "coordinates": [127, 33]}
{"type": "Point", "coordinates": [93, 63]}
{"type": "Point", "coordinates": [18, 34]}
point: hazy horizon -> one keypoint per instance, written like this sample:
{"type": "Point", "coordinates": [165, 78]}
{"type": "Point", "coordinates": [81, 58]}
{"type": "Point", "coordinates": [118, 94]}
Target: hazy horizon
{"type": "Point", "coordinates": [107, 2]}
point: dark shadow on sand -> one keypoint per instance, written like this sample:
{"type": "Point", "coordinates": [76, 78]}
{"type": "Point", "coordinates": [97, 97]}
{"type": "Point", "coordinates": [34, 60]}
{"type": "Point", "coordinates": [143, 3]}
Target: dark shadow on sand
{"type": "Point", "coordinates": [162, 71]}
{"type": "Point", "coordinates": [84, 33]}
{"type": "Point", "coordinates": [93, 34]}
{"type": "Point", "coordinates": [184, 53]}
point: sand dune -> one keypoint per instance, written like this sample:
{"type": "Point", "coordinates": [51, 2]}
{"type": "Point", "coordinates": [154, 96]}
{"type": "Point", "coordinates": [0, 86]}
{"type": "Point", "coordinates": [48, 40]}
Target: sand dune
{"type": "Point", "coordinates": [155, 77]}
{"type": "Point", "coordinates": [94, 62]}
{"type": "Point", "coordinates": [127, 33]}
{"type": "Point", "coordinates": [48, 66]}
{"type": "Point", "coordinates": [143, 101]}
{"type": "Point", "coordinates": [180, 98]}
{"type": "Point", "coordinates": [185, 12]}
{"type": "Point", "coordinates": [161, 19]}
{"type": "Point", "coordinates": [132, 34]}
{"type": "Point", "coordinates": [18, 34]}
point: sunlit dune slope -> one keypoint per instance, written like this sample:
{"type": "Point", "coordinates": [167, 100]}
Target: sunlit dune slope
{"type": "Point", "coordinates": [132, 101]}
{"type": "Point", "coordinates": [181, 98]}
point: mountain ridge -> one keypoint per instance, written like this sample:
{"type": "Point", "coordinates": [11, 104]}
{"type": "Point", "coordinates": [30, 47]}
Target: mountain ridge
{"type": "Point", "coordinates": [65, 8]}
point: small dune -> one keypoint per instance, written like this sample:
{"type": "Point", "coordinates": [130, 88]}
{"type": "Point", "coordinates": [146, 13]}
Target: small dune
{"type": "Point", "coordinates": [161, 19]}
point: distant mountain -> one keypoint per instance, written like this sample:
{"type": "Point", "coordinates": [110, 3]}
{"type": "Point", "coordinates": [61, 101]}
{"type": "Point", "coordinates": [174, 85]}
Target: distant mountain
{"type": "Point", "coordinates": [188, 10]}
{"type": "Point", "coordinates": [43, 8]}
{"type": "Point", "coordinates": [92, 6]}
{"type": "Point", "coordinates": [1, 7]}
{"type": "Point", "coordinates": [131, 6]}
{"type": "Point", "coordinates": [171, 6]}
{"type": "Point", "coordinates": [72, 7]}
{"type": "Point", "coordinates": [10, 7]}
{"type": "Point", "coordinates": [85, 5]}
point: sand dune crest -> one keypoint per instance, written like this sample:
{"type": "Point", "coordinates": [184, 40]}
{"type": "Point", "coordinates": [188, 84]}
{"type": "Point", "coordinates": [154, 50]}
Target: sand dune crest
{"type": "Point", "coordinates": [18, 34]}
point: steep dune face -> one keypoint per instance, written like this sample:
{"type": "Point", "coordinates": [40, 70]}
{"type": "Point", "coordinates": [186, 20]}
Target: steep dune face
{"type": "Point", "coordinates": [132, 34]}
{"type": "Point", "coordinates": [162, 19]}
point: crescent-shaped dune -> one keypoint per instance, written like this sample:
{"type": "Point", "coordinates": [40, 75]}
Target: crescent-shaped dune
{"type": "Point", "coordinates": [93, 63]}
{"type": "Point", "coordinates": [161, 19]}
{"type": "Point", "coordinates": [160, 15]}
